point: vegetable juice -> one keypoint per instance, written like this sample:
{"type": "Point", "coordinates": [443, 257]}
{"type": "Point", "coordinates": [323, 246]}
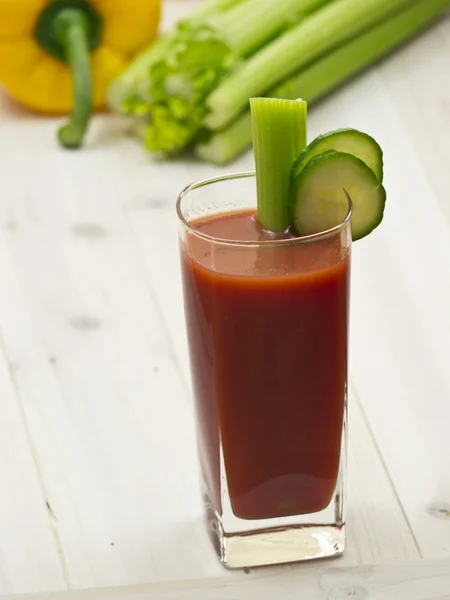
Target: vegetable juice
{"type": "Point", "coordinates": [267, 330]}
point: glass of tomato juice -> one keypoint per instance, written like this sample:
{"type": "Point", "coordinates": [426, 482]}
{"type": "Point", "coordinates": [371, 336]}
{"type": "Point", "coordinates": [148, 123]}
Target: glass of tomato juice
{"type": "Point", "coordinates": [267, 325]}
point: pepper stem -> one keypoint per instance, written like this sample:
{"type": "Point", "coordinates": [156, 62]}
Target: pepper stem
{"type": "Point", "coordinates": [71, 27]}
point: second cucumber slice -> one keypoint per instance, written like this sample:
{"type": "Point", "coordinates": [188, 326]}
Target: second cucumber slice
{"type": "Point", "coordinates": [352, 141]}
{"type": "Point", "coordinates": [318, 200]}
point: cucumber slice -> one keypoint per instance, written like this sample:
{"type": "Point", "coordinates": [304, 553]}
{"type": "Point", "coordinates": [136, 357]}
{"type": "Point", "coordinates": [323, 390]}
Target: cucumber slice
{"type": "Point", "coordinates": [318, 200]}
{"type": "Point", "coordinates": [352, 141]}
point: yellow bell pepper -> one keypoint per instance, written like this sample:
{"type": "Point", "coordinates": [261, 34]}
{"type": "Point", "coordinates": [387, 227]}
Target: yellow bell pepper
{"type": "Point", "coordinates": [58, 56]}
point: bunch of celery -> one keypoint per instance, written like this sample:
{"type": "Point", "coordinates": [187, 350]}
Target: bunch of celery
{"type": "Point", "coordinates": [192, 87]}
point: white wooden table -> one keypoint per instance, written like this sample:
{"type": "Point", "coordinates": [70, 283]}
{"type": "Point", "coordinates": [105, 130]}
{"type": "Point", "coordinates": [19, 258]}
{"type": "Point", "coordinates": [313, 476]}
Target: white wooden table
{"type": "Point", "coordinates": [98, 473]}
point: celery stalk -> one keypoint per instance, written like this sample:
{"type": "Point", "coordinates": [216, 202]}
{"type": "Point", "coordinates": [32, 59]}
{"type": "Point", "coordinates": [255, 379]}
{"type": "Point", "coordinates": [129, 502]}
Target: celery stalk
{"type": "Point", "coordinates": [247, 26]}
{"type": "Point", "coordinates": [133, 84]}
{"type": "Point", "coordinates": [134, 81]}
{"type": "Point", "coordinates": [327, 73]}
{"type": "Point", "coordinates": [201, 52]}
{"type": "Point", "coordinates": [327, 28]}
{"type": "Point", "coordinates": [205, 9]}
{"type": "Point", "coordinates": [224, 146]}
{"type": "Point", "coordinates": [279, 135]}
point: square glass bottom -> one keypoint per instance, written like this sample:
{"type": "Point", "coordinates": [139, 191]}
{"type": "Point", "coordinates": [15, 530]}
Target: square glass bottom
{"type": "Point", "coordinates": [276, 544]}
{"type": "Point", "coordinates": [242, 543]}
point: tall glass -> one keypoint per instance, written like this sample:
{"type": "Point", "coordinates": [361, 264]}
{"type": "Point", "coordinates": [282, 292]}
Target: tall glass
{"type": "Point", "coordinates": [267, 323]}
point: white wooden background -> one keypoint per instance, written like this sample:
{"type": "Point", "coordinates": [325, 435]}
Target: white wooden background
{"type": "Point", "coordinates": [98, 473]}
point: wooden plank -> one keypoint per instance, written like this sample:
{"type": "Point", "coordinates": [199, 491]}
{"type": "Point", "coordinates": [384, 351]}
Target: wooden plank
{"type": "Point", "coordinates": [409, 581]}
{"type": "Point", "coordinates": [100, 389]}
{"type": "Point", "coordinates": [29, 558]}
{"type": "Point", "coordinates": [421, 95]}
{"type": "Point", "coordinates": [401, 321]}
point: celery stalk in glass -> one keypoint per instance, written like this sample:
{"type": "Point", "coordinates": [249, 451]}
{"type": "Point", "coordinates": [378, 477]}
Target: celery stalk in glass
{"type": "Point", "coordinates": [279, 135]}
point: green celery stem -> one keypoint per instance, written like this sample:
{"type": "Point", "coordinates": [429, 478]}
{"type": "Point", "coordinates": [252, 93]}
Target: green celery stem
{"type": "Point", "coordinates": [135, 78]}
{"type": "Point", "coordinates": [214, 6]}
{"type": "Point", "coordinates": [279, 135]}
{"type": "Point", "coordinates": [224, 146]}
{"type": "Point", "coordinates": [320, 32]}
{"type": "Point", "coordinates": [250, 24]}
{"type": "Point", "coordinates": [72, 31]}
{"type": "Point", "coordinates": [325, 74]}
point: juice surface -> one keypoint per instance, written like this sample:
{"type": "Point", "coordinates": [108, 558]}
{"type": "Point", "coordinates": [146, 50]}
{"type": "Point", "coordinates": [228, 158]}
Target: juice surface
{"type": "Point", "coordinates": [267, 330]}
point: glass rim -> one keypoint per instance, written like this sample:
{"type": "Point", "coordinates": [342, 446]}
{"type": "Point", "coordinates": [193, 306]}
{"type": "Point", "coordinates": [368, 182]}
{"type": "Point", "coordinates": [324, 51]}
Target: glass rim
{"type": "Point", "coordinates": [312, 237]}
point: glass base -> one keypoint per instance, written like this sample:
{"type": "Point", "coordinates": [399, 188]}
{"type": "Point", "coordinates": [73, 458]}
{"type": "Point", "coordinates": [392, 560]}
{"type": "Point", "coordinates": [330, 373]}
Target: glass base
{"type": "Point", "coordinates": [242, 543]}
{"type": "Point", "coordinates": [277, 544]}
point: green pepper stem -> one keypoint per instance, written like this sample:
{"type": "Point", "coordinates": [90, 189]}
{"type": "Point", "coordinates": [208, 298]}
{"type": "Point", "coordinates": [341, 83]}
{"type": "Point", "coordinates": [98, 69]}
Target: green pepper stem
{"type": "Point", "coordinates": [72, 30]}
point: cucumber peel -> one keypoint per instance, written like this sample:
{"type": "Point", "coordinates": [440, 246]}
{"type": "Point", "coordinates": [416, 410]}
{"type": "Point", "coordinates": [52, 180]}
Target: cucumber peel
{"type": "Point", "coordinates": [318, 199]}
{"type": "Point", "coordinates": [351, 141]}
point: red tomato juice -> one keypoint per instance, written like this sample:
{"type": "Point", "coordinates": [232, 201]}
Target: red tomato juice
{"type": "Point", "coordinates": [267, 332]}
